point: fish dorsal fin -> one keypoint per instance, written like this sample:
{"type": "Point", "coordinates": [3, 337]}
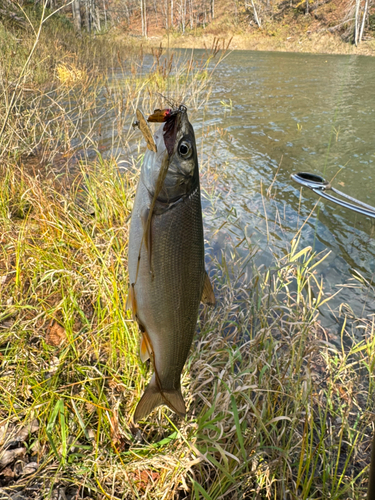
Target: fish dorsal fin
{"type": "Point", "coordinates": [145, 348]}
{"type": "Point", "coordinates": [208, 296]}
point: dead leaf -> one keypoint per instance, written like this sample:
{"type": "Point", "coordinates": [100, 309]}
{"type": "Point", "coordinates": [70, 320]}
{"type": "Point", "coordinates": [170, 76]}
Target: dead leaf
{"type": "Point", "coordinates": [30, 468]}
{"type": "Point", "coordinates": [341, 183]}
{"type": "Point", "coordinates": [23, 433]}
{"type": "Point", "coordinates": [9, 456]}
{"type": "Point", "coordinates": [90, 407]}
{"type": "Point", "coordinates": [144, 478]}
{"type": "Point", "coordinates": [7, 473]}
{"type": "Point", "coordinates": [118, 440]}
{"type": "Point", "coordinates": [55, 334]}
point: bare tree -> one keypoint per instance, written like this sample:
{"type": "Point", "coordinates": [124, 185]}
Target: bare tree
{"type": "Point", "coordinates": [105, 14]}
{"type": "Point", "coordinates": [360, 19]}
{"type": "Point", "coordinates": [76, 11]}
{"type": "Point", "coordinates": [364, 19]}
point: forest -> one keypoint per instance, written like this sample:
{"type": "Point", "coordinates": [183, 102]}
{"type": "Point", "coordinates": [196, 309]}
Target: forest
{"type": "Point", "coordinates": [352, 21]}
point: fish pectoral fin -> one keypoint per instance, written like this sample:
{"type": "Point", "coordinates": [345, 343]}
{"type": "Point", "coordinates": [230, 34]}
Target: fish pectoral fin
{"type": "Point", "coordinates": [208, 296]}
{"type": "Point", "coordinates": [129, 300]}
{"type": "Point", "coordinates": [131, 303]}
{"type": "Point", "coordinates": [153, 397]}
{"type": "Point", "coordinates": [146, 228]}
{"type": "Point", "coordinates": [145, 348]}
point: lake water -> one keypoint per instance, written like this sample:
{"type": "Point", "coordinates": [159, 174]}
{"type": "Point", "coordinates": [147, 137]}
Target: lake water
{"type": "Point", "coordinates": [313, 113]}
{"type": "Point", "coordinates": [304, 112]}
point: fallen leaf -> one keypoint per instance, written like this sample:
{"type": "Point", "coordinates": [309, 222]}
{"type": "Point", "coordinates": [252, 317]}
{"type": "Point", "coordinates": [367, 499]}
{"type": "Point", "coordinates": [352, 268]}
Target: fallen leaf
{"type": "Point", "coordinates": [7, 473]}
{"type": "Point", "coordinates": [9, 456]}
{"type": "Point", "coordinates": [341, 183]}
{"type": "Point", "coordinates": [30, 468]}
{"type": "Point", "coordinates": [23, 433]}
{"type": "Point", "coordinates": [55, 334]}
{"type": "Point", "coordinates": [144, 478]}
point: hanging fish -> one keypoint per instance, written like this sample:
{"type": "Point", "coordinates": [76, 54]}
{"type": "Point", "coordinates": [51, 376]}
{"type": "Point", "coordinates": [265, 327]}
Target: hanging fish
{"type": "Point", "coordinates": [166, 260]}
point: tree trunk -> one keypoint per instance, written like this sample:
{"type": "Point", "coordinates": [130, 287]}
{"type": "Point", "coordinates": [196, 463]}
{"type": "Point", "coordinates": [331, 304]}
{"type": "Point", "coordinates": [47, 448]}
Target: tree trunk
{"type": "Point", "coordinates": [356, 21]}
{"type": "Point", "coordinates": [183, 15]}
{"type": "Point", "coordinates": [142, 20]}
{"type": "Point", "coordinates": [257, 20]}
{"type": "Point", "coordinates": [363, 21]}
{"type": "Point", "coordinates": [164, 13]}
{"type": "Point", "coordinates": [76, 15]}
{"type": "Point", "coordinates": [105, 14]}
{"type": "Point", "coordinates": [87, 16]}
{"type": "Point", "coordinates": [212, 9]}
{"type": "Point", "coordinates": [145, 16]}
{"type": "Point", "coordinates": [156, 14]}
{"type": "Point", "coordinates": [97, 18]}
{"type": "Point", "coordinates": [307, 8]}
{"type": "Point", "coordinates": [171, 13]}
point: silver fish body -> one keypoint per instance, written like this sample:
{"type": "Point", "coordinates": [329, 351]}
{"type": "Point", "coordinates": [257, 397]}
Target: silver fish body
{"type": "Point", "coordinates": [166, 264]}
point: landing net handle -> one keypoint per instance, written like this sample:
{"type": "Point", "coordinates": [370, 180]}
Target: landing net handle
{"type": "Point", "coordinates": [319, 186]}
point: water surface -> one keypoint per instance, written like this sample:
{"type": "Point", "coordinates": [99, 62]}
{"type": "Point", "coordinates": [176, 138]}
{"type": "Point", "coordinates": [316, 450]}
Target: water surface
{"type": "Point", "coordinates": [273, 112]}
{"type": "Point", "coordinates": [313, 113]}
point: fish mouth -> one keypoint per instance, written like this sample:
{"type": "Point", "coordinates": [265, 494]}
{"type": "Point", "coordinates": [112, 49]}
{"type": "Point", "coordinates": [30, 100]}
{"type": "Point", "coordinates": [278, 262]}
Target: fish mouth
{"type": "Point", "coordinates": [176, 123]}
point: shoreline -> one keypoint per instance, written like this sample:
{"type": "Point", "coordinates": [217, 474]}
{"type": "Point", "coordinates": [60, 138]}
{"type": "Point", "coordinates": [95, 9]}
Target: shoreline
{"type": "Point", "coordinates": [314, 43]}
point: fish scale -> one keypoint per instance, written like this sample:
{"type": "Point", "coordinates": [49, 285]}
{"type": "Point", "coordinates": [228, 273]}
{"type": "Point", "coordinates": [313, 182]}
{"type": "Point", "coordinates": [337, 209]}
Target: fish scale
{"type": "Point", "coordinates": [166, 306]}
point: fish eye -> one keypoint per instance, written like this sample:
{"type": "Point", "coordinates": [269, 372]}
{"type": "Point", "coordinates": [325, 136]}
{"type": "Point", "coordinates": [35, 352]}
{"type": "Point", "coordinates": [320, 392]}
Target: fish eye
{"type": "Point", "coordinates": [184, 149]}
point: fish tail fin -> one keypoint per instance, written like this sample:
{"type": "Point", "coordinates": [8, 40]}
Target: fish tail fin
{"type": "Point", "coordinates": [153, 397]}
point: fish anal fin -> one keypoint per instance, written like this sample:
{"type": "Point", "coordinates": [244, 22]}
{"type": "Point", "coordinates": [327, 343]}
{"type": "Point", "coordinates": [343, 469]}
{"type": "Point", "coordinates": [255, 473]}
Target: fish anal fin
{"type": "Point", "coordinates": [145, 349]}
{"type": "Point", "coordinates": [208, 296]}
{"type": "Point", "coordinates": [153, 397]}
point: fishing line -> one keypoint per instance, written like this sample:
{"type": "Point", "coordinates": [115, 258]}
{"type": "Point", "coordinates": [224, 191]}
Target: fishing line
{"type": "Point", "coordinates": [167, 61]}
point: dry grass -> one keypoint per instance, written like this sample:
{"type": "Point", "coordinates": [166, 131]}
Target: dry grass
{"type": "Point", "coordinates": [283, 41]}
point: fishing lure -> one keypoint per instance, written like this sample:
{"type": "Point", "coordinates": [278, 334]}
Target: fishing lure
{"type": "Point", "coordinates": [144, 127]}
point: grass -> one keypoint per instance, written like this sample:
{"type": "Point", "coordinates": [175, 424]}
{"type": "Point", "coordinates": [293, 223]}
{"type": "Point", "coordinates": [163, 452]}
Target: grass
{"type": "Point", "coordinates": [275, 408]}
{"type": "Point", "coordinates": [275, 38]}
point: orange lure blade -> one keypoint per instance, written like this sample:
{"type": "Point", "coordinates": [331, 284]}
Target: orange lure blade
{"type": "Point", "coordinates": [160, 115]}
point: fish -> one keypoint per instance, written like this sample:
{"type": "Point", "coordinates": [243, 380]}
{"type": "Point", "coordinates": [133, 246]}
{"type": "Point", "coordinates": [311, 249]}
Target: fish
{"type": "Point", "coordinates": [167, 276]}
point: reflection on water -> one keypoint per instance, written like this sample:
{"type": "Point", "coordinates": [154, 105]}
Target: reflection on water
{"type": "Point", "coordinates": [313, 113]}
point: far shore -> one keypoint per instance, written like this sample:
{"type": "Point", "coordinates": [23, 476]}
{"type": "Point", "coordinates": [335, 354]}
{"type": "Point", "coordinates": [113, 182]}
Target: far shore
{"type": "Point", "coordinates": [316, 43]}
